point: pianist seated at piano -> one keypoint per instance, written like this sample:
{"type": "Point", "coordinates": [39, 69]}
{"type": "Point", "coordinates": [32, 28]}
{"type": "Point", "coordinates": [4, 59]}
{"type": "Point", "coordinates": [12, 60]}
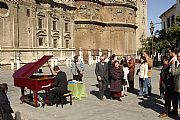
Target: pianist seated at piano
{"type": "Point", "coordinates": [59, 86]}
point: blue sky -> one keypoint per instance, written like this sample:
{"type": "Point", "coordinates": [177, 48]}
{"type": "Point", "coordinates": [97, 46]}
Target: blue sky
{"type": "Point", "coordinates": [155, 9]}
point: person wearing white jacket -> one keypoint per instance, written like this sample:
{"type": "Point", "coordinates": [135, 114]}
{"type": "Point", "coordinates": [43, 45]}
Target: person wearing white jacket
{"type": "Point", "coordinates": [143, 77]}
{"type": "Point", "coordinates": [126, 72]}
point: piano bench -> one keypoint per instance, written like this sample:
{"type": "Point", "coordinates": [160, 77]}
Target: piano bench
{"type": "Point", "coordinates": [59, 101]}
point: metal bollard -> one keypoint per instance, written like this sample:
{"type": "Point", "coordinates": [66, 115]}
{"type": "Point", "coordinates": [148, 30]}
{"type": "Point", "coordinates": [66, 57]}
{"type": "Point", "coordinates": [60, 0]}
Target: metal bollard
{"type": "Point", "coordinates": [55, 61]}
{"type": "Point", "coordinates": [18, 62]}
{"type": "Point", "coordinates": [12, 63]}
{"type": "Point", "coordinates": [52, 63]}
{"type": "Point", "coordinates": [17, 116]}
{"type": "Point", "coordinates": [66, 61]}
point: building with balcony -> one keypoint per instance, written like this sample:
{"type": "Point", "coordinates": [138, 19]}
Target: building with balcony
{"type": "Point", "coordinates": [168, 18]}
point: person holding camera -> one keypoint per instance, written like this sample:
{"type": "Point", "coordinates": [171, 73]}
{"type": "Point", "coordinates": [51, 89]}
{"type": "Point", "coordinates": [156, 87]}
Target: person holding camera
{"type": "Point", "coordinates": [77, 68]}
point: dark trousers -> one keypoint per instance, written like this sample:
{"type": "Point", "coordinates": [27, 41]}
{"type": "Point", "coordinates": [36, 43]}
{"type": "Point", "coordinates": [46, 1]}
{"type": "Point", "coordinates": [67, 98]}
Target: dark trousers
{"type": "Point", "coordinates": [175, 100]}
{"type": "Point", "coordinates": [5, 115]}
{"type": "Point", "coordinates": [131, 85]}
{"type": "Point", "coordinates": [168, 97]}
{"type": "Point", "coordinates": [149, 86]}
{"type": "Point", "coordinates": [54, 92]}
{"type": "Point", "coordinates": [102, 88]}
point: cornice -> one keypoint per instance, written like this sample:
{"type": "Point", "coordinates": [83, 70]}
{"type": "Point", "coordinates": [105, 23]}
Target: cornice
{"type": "Point", "coordinates": [124, 4]}
{"type": "Point", "coordinates": [105, 24]}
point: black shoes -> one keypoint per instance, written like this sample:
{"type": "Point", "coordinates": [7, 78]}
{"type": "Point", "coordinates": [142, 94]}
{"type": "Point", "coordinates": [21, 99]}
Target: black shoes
{"type": "Point", "coordinates": [145, 96]}
{"type": "Point", "coordinates": [50, 104]}
{"type": "Point", "coordinates": [119, 100]}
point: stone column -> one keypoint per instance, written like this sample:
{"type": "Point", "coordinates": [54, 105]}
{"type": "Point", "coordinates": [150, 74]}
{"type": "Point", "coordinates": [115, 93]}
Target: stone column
{"type": "Point", "coordinates": [55, 61]}
{"type": "Point", "coordinates": [97, 59]}
{"type": "Point", "coordinates": [61, 54]}
{"type": "Point", "coordinates": [67, 62]}
{"type": "Point", "coordinates": [109, 52]}
{"type": "Point", "coordinates": [72, 54]}
{"type": "Point", "coordinates": [12, 63]}
{"type": "Point", "coordinates": [100, 52]}
{"type": "Point", "coordinates": [89, 57]}
{"type": "Point", "coordinates": [17, 62]}
{"type": "Point", "coordinates": [52, 63]}
{"type": "Point", "coordinates": [81, 55]}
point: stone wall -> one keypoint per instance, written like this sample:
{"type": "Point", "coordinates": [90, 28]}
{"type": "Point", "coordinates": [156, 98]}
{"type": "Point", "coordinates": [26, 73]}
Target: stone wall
{"type": "Point", "coordinates": [106, 25]}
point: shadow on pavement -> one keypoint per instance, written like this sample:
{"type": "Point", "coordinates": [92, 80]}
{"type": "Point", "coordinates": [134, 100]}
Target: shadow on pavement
{"type": "Point", "coordinates": [153, 103]}
{"type": "Point", "coordinates": [95, 93]}
{"type": "Point", "coordinates": [106, 93]}
{"type": "Point", "coordinates": [135, 91]}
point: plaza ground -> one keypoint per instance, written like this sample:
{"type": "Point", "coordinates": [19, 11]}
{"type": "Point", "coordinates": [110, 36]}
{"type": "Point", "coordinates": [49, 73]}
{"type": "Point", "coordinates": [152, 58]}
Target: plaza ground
{"type": "Point", "coordinates": [91, 108]}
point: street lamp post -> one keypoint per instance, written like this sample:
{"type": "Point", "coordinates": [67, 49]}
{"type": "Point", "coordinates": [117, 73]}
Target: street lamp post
{"type": "Point", "coordinates": [152, 31]}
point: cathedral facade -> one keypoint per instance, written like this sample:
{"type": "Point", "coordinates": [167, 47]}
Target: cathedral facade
{"type": "Point", "coordinates": [32, 28]}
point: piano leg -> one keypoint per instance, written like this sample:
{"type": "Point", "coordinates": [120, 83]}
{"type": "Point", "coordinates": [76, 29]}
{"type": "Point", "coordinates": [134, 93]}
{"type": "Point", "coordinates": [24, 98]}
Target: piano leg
{"type": "Point", "coordinates": [35, 98]}
{"type": "Point", "coordinates": [46, 97]}
{"type": "Point", "coordinates": [22, 95]}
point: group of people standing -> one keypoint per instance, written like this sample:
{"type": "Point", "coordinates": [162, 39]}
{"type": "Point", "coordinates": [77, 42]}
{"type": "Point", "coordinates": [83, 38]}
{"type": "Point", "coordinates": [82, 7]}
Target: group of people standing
{"type": "Point", "coordinates": [170, 83]}
{"type": "Point", "coordinates": [116, 74]}
{"type": "Point", "coordinates": [144, 73]}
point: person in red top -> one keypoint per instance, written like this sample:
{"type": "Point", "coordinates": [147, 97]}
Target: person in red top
{"type": "Point", "coordinates": [131, 66]}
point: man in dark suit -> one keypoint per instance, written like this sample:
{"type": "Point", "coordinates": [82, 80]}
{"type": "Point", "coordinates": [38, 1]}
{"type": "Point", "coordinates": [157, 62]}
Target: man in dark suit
{"type": "Point", "coordinates": [175, 69]}
{"type": "Point", "coordinates": [60, 86]}
{"type": "Point", "coordinates": [101, 72]}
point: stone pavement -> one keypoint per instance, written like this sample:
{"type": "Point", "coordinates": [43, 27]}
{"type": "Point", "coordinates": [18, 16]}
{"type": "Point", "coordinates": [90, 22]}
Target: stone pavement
{"type": "Point", "coordinates": [90, 108]}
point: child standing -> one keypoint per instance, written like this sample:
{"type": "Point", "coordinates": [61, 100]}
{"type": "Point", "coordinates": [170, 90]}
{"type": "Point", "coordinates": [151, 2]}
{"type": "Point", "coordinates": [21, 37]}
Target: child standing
{"type": "Point", "coordinates": [125, 79]}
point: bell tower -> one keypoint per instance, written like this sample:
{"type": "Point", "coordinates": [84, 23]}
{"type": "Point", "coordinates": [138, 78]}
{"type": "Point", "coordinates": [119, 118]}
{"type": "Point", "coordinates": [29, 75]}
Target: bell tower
{"type": "Point", "coordinates": [141, 22]}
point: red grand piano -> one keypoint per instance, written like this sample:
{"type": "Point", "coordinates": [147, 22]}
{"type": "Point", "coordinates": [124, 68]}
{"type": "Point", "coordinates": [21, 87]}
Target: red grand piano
{"type": "Point", "coordinates": [24, 77]}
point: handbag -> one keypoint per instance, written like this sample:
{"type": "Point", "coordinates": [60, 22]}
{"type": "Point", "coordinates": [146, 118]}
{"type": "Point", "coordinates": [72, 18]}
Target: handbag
{"type": "Point", "coordinates": [137, 71]}
{"type": "Point", "coordinates": [79, 72]}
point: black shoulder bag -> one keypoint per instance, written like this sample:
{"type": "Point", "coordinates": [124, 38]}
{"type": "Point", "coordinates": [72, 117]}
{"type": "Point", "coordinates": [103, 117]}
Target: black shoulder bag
{"type": "Point", "coordinates": [79, 72]}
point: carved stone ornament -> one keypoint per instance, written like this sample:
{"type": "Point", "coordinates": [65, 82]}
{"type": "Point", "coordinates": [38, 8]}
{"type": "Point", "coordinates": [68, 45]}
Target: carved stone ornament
{"type": "Point", "coordinates": [41, 14]}
{"type": "Point", "coordinates": [41, 33]}
{"type": "Point", "coordinates": [4, 10]}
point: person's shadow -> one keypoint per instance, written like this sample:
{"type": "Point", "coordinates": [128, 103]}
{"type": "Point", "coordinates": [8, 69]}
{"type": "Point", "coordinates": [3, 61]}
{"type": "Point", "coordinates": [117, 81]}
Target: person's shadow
{"type": "Point", "coordinates": [134, 91]}
{"type": "Point", "coordinates": [155, 104]}
{"type": "Point", "coordinates": [96, 93]}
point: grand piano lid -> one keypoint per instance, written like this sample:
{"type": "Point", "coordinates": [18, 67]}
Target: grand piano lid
{"type": "Point", "coordinates": [27, 70]}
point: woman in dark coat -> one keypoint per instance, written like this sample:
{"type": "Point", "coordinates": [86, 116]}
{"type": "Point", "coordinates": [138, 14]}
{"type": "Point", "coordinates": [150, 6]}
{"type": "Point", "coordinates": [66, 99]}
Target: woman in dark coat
{"type": "Point", "coordinates": [110, 66]}
{"type": "Point", "coordinates": [116, 81]}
